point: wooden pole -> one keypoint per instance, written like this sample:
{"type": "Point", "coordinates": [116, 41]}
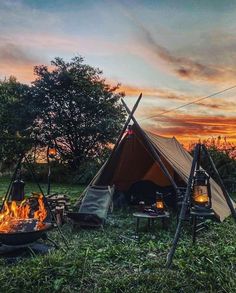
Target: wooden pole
{"type": "Point", "coordinates": [121, 133]}
{"type": "Point", "coordinates": [127, 122]}
{"type": "Point", "coordinates": [220, 182]}
{"type": "Point", "coordinates": [183, 207]}
{"type": "Point", "coordinates": [114, 148]}
{"type": "Point", "coordinates": [152, 148]}
{"type": "Point", "coordinates": [53, 217]}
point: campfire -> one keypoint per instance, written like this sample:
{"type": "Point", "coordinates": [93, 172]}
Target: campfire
{"type": "Point", "coordinates": [28, 215]}
{"type": "Point", "coordinates": [24, 221]}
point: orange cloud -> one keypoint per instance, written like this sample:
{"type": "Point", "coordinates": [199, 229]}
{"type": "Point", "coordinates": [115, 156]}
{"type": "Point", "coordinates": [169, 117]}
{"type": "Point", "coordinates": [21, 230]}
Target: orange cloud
{"type": "Point", "coordinates": [66, 43]}
{"type": "Point", "coordinates": [188, 127]}
{"type": "Point", "coordinates": [130, 90]}
{"type": "Point", "coordinates": [16, 57]}
{"type": "Point", "coordinates": [215, 103]}
{"type": "Point", "coordinates": [23, 73]}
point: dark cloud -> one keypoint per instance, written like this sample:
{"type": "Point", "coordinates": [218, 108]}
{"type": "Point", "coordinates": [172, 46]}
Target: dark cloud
{"type": "Point", "coordinates": [210, 106]}
{"type": "Point", "coordinates": [16, 60]}
{"type": "Point", "coordinates": [12, 54]}
{"type": "Point", "coordinates": [184, 67]}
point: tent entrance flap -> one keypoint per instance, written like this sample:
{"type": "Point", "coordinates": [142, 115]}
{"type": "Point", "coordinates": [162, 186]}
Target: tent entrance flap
{"type": "Point", "coordinates": [132, 163]}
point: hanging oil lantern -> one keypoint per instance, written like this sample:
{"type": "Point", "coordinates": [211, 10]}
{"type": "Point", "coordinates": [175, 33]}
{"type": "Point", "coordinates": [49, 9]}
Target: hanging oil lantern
{"type": "Point", "coordinates": [201, 199]}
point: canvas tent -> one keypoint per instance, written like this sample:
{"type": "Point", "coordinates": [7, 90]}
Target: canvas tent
{"type": "Point", "coordinates": [133, 160]}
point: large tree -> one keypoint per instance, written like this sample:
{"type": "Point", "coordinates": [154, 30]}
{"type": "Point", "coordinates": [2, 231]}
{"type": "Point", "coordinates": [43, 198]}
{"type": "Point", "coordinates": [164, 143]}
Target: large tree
{"type": "Point", "coordinates": [16, 119]}
{"type": "Point", "coordinates": [77, 109]}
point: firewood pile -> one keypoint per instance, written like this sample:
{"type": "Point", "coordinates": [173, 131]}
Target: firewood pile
{"type": "Point", "coordinates": [60, 205]}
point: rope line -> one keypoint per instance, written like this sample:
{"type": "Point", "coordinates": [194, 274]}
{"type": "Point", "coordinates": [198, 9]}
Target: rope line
{"type": "Point", "coordinates": [190, 103]}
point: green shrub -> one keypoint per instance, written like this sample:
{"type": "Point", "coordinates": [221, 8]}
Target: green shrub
{"type": "Point", "coordinates": [61, 173]}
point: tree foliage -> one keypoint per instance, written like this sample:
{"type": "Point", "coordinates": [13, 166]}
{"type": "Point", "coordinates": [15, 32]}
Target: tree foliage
{"type": "Point", "coordinates": [16, 119]}
{"type": "Point", "coordinates": [225, 165]}
{"type": "Point", "coordinates": [76, 109]}
{"type": "Point", "coordinates": [224, 162]}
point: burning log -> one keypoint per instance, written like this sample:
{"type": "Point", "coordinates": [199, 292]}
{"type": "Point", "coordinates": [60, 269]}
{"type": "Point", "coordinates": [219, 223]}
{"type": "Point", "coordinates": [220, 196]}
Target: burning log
{"type": "Point", "coordinates": [28, 214]}
{"type": "Point", "coordinates": [26, 225]}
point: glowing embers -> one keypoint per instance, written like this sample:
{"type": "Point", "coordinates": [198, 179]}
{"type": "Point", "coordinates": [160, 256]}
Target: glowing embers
{"type": "Point", "coordinates": [28, 215]}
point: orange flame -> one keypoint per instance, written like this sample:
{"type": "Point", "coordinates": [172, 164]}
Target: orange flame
{"type": "Point", "coordinates": [200, 195]}
{"type": "Point", "coordinates": [13, 215]}
{"type": "Point", "coordinates": [159, 204]}
{"type": "Point", "coordinates": [40, 214]}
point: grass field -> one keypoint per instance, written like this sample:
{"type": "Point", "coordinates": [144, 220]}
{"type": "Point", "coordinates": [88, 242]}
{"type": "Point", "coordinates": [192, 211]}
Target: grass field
{"type": "Point", "coordinates": [113, 260]}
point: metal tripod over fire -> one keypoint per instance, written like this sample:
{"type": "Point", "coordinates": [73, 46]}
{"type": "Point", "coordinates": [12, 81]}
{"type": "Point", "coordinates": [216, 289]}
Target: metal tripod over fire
{"type": "Point", "coordinates": [25, 220]}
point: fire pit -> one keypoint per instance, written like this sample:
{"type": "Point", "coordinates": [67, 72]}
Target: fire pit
{"type": "Point", "coordinates": [23, 222]}
{"type": "Point", "coordinates": [23, 238]}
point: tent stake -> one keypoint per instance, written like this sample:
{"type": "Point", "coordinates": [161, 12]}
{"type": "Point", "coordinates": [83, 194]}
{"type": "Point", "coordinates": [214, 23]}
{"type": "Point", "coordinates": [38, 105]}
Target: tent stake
{"type": "Point", "coordinates": [221, 183]}
{"type": "Point", "coordinates": [183, 207]}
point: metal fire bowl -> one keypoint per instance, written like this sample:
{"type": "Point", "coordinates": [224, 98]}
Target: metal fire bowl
{"type": "Point", "coordinates": [22, 238]}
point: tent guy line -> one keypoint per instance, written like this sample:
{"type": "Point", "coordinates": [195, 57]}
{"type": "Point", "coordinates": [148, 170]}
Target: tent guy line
{"type": "Point", "coordinates": [190, 103]}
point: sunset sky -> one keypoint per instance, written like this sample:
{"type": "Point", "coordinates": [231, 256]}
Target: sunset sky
{"type": "Point", "coordinates": [172, 51]}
